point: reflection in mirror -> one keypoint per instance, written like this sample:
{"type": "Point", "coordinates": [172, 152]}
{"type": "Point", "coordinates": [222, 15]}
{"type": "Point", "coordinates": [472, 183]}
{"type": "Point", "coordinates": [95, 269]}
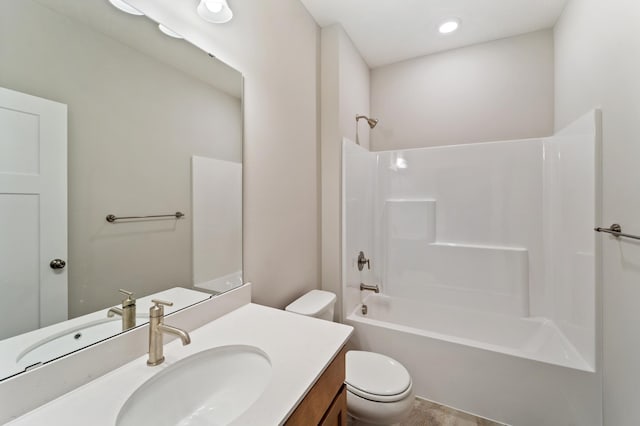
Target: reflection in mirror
{"type": "Point", "coordinates": [101, 114]}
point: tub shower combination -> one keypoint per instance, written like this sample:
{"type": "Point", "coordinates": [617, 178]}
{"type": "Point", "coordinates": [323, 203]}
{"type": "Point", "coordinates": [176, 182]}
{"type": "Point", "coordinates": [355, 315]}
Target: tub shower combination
{"type": "Point", "coordinates": [482, 271]}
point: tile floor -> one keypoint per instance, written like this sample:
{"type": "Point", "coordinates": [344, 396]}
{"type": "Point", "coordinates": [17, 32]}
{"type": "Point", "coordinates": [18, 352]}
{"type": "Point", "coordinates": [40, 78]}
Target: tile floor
{"type": "Point", "coordinates": [427, 413]}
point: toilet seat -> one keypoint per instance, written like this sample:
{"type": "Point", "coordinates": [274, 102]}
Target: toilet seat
{"type": "Point", "coordinates": [376, 377]}
{"type": "Point", "coordinates": [379, 398]}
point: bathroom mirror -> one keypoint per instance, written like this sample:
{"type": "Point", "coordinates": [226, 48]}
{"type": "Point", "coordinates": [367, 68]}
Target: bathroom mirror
{"type": "Point", "coordinates": [145, 125]}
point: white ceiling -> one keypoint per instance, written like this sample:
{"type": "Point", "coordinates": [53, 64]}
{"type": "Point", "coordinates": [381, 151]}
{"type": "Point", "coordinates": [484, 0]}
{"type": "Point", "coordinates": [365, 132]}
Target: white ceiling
{"type": "Point", "coordinates": [387, 31]}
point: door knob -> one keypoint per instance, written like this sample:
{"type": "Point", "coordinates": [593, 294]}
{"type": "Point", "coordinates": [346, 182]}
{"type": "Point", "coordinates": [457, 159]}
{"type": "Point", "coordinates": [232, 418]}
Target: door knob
{"type": "Point", "coordinates": [57, 264]}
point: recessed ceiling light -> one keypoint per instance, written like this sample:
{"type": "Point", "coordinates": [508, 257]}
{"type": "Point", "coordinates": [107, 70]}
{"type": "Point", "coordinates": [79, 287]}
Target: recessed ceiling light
{"type": "Point", "coordinates": [214, 6]}
{"type": "Point", "coordinates": [169, 31]}
{"type": "Point", "coordinates": [449, 26]}
{"type": "Point", "coordinates": [126, 7]}
{"type": "Point", "coordinates": [215, 11]}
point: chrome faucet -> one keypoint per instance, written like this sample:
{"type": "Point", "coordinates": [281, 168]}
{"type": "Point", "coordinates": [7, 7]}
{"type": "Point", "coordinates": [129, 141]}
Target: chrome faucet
{"type": "Point", "coordinates": [156, 328]}
{"type": "Point", "coordinates": [127, 312]}
{"type": "Point", "coordinates": [368, 287]}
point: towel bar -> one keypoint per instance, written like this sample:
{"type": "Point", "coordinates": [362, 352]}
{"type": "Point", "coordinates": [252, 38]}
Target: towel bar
{"type": "Point", "coordinates": [616, 231]}
{"type": "Point", "coordinates": [112, 218]}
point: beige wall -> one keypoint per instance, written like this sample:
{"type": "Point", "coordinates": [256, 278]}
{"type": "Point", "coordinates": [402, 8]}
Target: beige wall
{"type": "Point", "coordinates": [355, 82]}
{"type": "Point", "coordinates": [134, 124]}
{"type": "Point", "coordinates": [344, 80]}
{"type": "Point", "coordinates": [597, 64]}
{"type": "Point", "coordinates": [486, 92]}
{"type": "Point", "coordinates": [275, 45]}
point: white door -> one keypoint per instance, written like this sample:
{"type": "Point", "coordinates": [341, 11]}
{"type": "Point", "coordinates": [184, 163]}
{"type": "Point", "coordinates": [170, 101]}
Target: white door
{"type": "Point", "coordinates": [33, 212]}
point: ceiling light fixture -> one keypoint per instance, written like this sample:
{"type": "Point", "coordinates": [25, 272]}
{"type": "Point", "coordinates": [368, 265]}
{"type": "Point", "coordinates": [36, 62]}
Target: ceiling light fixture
{"type": "Point", "coordinates": [169, 31]}
{"type": "Point", "coordinates": [125, 7]}
{"type": "Point", "coordinates": [449, 26]}
{"type": "Point", "coordinates": [215, 11]}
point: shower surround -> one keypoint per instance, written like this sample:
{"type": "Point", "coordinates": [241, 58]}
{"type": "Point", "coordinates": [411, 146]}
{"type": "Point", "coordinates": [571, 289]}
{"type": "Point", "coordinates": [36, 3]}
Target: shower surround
{"type": "Point", "coordinates": [485, 256]}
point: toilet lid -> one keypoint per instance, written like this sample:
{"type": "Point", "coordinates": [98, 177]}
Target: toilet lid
{"type": "Point", "coordinates": [377, 377]}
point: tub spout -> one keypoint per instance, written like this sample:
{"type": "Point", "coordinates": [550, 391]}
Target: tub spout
{"type": "Point", "coordinates": [369, 287]}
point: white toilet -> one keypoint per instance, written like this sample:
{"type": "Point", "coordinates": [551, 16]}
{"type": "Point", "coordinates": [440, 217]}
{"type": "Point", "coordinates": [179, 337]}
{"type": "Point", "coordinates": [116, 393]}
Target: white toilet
{"type": "Point", "coordinates": [379, 388]}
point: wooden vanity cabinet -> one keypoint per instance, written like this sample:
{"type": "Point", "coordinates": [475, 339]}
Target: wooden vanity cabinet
{"type": "Point", "coordinates": [336, 415]}
{"type": "Point", "coordinates": [326, 403]}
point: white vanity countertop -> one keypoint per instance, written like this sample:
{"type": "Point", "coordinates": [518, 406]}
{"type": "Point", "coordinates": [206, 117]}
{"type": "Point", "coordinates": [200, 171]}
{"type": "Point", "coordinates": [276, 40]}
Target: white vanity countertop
{"type": "Point", "coordinates": [299, 348]}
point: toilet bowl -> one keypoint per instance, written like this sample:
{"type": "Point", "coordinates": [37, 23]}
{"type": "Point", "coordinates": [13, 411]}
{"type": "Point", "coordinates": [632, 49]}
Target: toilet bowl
{"type": "Point", "coordinates": [379, 388]}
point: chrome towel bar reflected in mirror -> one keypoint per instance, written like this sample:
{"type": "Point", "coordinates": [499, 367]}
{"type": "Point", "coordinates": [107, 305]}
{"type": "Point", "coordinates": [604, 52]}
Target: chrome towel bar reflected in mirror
{"type": "Point", "coordinates": [616, 231]}
{"type": "Point", "coordinates": [112, 218]}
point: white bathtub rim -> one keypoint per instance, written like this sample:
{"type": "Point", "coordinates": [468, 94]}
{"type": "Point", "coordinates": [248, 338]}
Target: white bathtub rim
{"type": "Point", "coordinates": [580, 363]}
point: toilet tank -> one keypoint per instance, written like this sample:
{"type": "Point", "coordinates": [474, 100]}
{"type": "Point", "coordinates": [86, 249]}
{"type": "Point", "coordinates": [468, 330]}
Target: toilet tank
{"type": "Point", "coordinates": [316, 303]}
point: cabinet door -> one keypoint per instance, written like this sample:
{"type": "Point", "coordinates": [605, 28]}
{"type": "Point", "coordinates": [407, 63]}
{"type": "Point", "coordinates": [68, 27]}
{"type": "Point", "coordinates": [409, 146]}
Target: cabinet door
{"type": "Point", "coordinates": [313, 408]}
{"type": "Point", "coordinates": [336, 415]}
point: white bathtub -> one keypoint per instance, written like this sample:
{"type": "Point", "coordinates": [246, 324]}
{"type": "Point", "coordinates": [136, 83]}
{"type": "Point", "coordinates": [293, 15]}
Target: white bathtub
{"type": "Point", "coordinates": [531, 338]}
{"type": "Point", "coordinates": [520, 371]}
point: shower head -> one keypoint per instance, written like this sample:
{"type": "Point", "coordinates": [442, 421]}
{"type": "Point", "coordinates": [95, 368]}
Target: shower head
{"type": "Point", "coordinates": [372, 122]}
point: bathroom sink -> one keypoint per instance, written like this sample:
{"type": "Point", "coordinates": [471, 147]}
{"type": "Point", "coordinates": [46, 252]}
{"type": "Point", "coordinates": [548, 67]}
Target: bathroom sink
{"type": "Point", "coordinates": [211, 387]}
{"type": "Point", "coordinates": [69, 340]}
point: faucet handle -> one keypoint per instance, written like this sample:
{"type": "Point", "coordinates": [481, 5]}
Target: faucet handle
{"type": "Point", "coordinates": [158, 302]}
{"type": "Point", "coordinates": [157, 310]}
{"type": "Point", "coordinates": [128, 300]}
{"type": "Point", "coordinates": [362, 260]}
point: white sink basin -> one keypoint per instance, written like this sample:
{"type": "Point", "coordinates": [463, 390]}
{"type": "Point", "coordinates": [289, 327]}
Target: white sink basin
{"type": "Point", "coordinates": [69, 340]}
{"type": "Point", "coordinates": [212, 387]}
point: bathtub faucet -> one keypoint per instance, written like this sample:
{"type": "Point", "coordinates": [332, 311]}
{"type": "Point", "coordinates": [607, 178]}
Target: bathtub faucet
{"type": "Point", "coordinates": [369, 287]}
